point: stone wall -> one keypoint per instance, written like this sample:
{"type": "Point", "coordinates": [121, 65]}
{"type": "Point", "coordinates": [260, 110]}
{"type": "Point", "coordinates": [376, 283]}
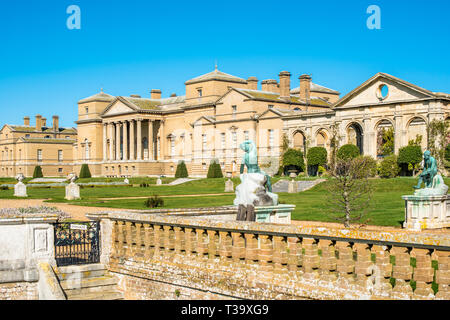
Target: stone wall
{"type": "Point", "coordinates": [160, 256]}
{"type": "Point", "coordinates": [19, 291]}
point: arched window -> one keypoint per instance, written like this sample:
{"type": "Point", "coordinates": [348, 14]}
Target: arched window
{"type": "Point", "coordinates": [355, 136]}
{"type": "Point", "coordinates": [299, 141]}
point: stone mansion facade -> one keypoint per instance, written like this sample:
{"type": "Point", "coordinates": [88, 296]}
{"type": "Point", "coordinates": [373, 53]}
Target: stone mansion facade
{"type": "Point", "coordinates": [138, 136]}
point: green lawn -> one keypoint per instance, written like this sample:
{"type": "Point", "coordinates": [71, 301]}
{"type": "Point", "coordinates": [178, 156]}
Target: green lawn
{"type": "Point", "coordinates": [387, 208]}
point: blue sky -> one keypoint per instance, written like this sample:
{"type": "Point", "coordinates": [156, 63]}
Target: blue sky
{"type": "Point", "coordinates": [130, 47]}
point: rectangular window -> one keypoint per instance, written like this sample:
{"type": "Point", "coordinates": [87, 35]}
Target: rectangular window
{"type": "Point", "coordinates": [270, 106]}
{"type": "Point", "coordinates": [234, 111]}
{"type": "Point", "coordinates": [172, 147]}
{"type": "Point", "coordinates": [271, 138]}
{"type": "Point", "coordinates": [60, 170]}
{"type": "Point", "coordinates": [246, 136]}
{"type": "Point", "coordinates": [60, 155]}
{"type": "Point", "coordinates": [200, 92]}
{"type": "Point", "coordinates": [39, 155]}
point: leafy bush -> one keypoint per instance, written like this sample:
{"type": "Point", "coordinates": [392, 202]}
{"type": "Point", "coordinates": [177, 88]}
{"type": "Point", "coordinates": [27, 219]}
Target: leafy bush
{"type": "Point", "coordinates": [214, 170]}
{"type": "Point", "coordinates": [389, 167]}
{"type": "Point", "coordinates": [181, 170]}
{"type": "Point", "coordinates": [409, 158]}
{"type": "Point", "coordinates": [85, 172]}
{"type": "Point", "coordinates": [293, 158]}
{"type": "Point", "coordinates": [347, 151]}
{"type": "Point", "coordinates": [154, 202]}
{"type": "Point", "coordinates": [316, 156]}
{"type": "Point", "coordinates": [367, 166]}
{"type": "Point", "coordinates": [447, 152]}
{"type": "Point", "coordinates": [38, 172]}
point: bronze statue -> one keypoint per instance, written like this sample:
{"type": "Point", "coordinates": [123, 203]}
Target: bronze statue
{"type": "Point", "coordinates": [429, 171]}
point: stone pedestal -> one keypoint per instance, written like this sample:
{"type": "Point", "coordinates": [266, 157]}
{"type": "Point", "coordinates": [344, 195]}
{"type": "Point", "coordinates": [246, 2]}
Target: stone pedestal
{"type": "Point", "coordinates": [158, 182]}
{"type": "Point", "coordinates": [72, 191]}
{"type": "Point", "coordinates": [292, 187]}
{"type": "Point", "coordinates": [229, 186]}
{"type": "Point", "coordinates": [126, 181]}
{"type": "Point", "coordinates": [426, 212]}
{"type": "Point", "coordinates": [20, 190]}
{"type": "Point", "coordinates": [280, 214]}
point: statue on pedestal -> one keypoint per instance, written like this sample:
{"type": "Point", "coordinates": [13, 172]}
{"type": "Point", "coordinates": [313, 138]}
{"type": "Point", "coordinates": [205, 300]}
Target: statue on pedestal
{"type": "Point", "coordinates": [256, 187]}
{"type": "Point", "coordinates": [20, 189]}
{"type": "Point", "coordinates": [72, 189]}
{"type": "Point", "coordinates": [434, 184]}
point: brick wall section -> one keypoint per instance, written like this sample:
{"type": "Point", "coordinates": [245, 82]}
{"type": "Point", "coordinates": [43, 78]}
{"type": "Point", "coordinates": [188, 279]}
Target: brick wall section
{"type": "Point", "coordinates": [201, 258]}
{"type": "Point", "coordinates": [19, 291]}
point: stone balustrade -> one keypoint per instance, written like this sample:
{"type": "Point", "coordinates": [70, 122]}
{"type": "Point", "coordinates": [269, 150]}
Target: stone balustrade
{"type": "Point", "coordinates": [262, 261]}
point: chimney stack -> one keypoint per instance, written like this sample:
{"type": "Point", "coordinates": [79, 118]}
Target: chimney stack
{"type": "Point", "coordinates": [44, 122]}
{"type": "Point", "coordinates": [55, 123]}
{"type": "Point", "coordinates": [38, 122]}
{"type": "Point", "coordinates": [155, 94]}
{"type": "Point", "coordinates": [270, 85]}
{"type": "Point", "coordinates": [252, 83]}
{"type": "Point", "coordinates": [285, 84]}
{"type": "Point", "coordinates": [26, 121]}
{"type": "Point", "coordinates": [305, 87]}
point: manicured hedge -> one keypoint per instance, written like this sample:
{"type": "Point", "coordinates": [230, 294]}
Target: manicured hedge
{"type": "Point", "coordinates": [316, 156]}
{"type": "Point", "coordinates": [214, 170]}
{"type": "Point", "coordinates": [181, 170]}
{"type": "Point", "coordinates": [85, 172]}
{"type": "Point", "coordinates": [293, 157]}
{"type": "Point", "coordinates": [38, 172]}
{"type": "Point", "coordinates": [347, 151]}
{"type": "Point", "coordinates": [389, 167]}
{"type": "Point", "coordinates": [409, 157]}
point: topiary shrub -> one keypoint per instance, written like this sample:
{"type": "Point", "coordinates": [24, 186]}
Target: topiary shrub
{"type": "Point", "coordinates": [293, 160]}
{"type": "Point", "coordinates": [181, 170]}
{"type": "Point", "coordinates": [85, 172]}
{"type": "Point", "coordinates": [214, 170]}
{"type": "Point", "coordinates": [154, 202]}
{"type": "Point", "coordinates": [347, 151]}
{"type": "Point", "coordinates": [409, 158]}
{"type": "Point", "coordinates": [316, 156]}
{"type": "Point", "coordinates": [367, 166]}
{"type": "Point", "coordinates": [37, 172]}
{"type": "Point", "coordinates": [389, 167]}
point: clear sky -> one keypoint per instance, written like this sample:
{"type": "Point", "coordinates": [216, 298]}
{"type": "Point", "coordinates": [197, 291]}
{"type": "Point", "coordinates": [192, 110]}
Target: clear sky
{"type": "Point", "coordinates": [130, 47]}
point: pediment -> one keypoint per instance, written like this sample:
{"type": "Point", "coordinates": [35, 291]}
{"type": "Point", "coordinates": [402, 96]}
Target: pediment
{"type": "Point", "coordinates": [118, 107]}
{"type": "Point", "coordinates": [369, 92]}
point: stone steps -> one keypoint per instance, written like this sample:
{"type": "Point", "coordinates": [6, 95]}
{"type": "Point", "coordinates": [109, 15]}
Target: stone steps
{"type": "Point", "coordinates": [88, 282]}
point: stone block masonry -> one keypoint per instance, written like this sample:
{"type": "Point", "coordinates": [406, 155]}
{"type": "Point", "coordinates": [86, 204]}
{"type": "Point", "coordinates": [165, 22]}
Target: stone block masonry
{"type": "Point", "coordinates": [19, 291]}
{"type": "Point", "coordinates": [158, 256]}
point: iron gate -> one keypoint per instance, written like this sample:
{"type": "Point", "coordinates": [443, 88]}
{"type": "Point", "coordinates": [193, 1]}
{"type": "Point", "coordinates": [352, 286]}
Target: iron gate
{"type": "Point", "coordinates": [77, 243]}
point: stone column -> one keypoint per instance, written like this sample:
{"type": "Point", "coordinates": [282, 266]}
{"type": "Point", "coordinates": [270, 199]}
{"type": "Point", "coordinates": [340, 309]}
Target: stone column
{"type": "Point", "coordinates": [398, 129]}
{"type": "Point", "coordinates": [105, 144]}
{"type": "Point", "coordinates": [367, 137]}
{"type": "Point", "coordinates": [111, 141]}
{"type": "Point", "coordinates": [139, 139]}
{"type": "Point", "coordinates": [117, 141]}
{"type": "Point", "coordinates": [151, 149]}
{"type": "Point", "coordinates": [132, 148]}
{"type": "Point", "coordinates": [125, 141]}
{"type": "Point", "coordinates": [162, 141]}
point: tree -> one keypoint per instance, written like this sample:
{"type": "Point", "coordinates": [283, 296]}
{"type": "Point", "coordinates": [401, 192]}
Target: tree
{"type": "Point", "coordinates": [293, 158]}
{"type": "Point", "coordinates": [347, 151]}
{"type": "Point", "coordinates": [334, 144]}
{"type": "Point", "coordinates": [417, 141]}
{"type": "Point", "coordinates": [181, 170]}
{"type": "Point", "coordinates": [214, 170]}
{"type": "Point", "coordinates": [388, 142]}
{"type": "Point", "coordinates": [349, 190]}
{"type": "Point", "coordinates": [409, 158]}
{"type": "Point", "coordinates": [85, 172]}
{"type": "Point", "coordinates": [316, 156]}
{"type": "Point", "coordinates": [389, 167]}
{"type": "Point", "coordinates": [37, 172]}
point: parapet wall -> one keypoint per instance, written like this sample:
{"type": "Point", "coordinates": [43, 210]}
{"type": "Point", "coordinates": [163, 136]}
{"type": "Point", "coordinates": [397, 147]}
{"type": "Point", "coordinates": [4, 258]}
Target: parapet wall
{"type": "Point", "coordinates": [158, 256]}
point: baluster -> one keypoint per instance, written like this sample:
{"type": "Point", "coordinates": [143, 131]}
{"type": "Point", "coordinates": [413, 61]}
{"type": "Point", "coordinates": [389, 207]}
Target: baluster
{"type": "Point", "coordinates": [139, 253]}
{"type": "Point", "coordinates": [121, 239]}
{"type": "Point", "coordinates": [128, 239]}
{"type": "Point", "coordinates": [382, 269]}
{"type": "Point", "coordinates": [191, 241]}
{"type": "Point", "coordinates": [213, 245]}
{"type": "Point", "coordinates": [225, 247]}
{"type": "Point", "coordinates": [345, 265]}
{"type": "Point", "coordinates": [443, 275]}
{"type": "Point", "coordinates": [251, 248]}
{"type": "Point", "coordinates": [279, 253]}
{"type": "Point", "coordinates": [363, 265]}
{"type": "Point", "coordinates": [310, 258]}
{"type": "Point", "coordinates": [423, 273]}
{"type": "Point", "coordinates": [265, 252]}
{"type": "Point", "coordinates": [402, 272]}
{"type": "Point", "coordinates": [294, 253]}
{"type": "Point", "coordinates": [179, 240]}
{"type": "Point", "coordinates": [158, 233]}
{"type": "Point", "coordinates": [149, 244]}
{"type": "Point", "coordinates": [115, 243]}
{"type": "Point", "coordinates": [169, 238]}
{"type": "Point", "coordinates": [202, 244]}
{"type": "Point", "coordinates": [327, 261]}
{"type": "Point", "coordinates": [238, 249]}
